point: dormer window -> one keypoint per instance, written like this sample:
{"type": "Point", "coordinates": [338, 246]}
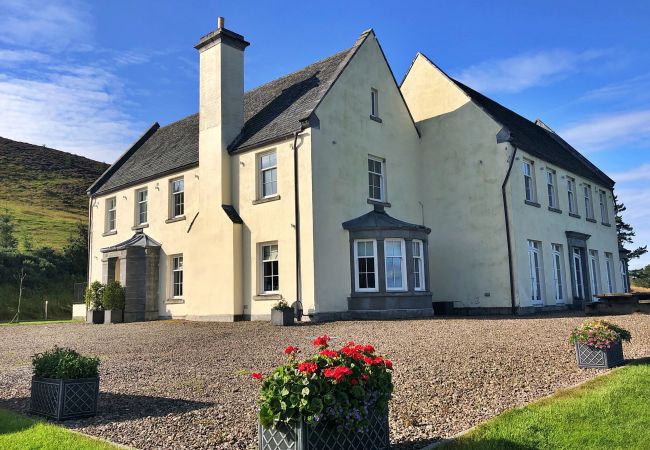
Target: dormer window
{"type": "Point", "coordinates": [374, 103]}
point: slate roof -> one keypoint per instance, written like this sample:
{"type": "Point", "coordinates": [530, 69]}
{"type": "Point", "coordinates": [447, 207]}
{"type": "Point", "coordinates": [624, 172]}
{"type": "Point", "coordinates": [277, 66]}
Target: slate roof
{"type": "Point", "coordinates": [139, 239]}
{"type": "Point", "coordinates": [378, 219]}
{"type": "Point", "coordinates": [272, 111]}
{"type": "Point", "coordinates": [538, 140]}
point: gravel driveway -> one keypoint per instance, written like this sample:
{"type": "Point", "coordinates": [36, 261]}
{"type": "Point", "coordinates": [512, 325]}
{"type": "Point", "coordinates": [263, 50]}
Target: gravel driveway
{"type": "Point", "coordinates": [174, 384]}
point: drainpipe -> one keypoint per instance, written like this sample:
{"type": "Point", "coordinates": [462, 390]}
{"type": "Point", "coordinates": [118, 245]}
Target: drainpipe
{"type": "Point", "coordinates": [505, 214]}
{"type": "Point", "coordinates": [296, 193]}
{"type": "Point", "coordinates": [90, 227]}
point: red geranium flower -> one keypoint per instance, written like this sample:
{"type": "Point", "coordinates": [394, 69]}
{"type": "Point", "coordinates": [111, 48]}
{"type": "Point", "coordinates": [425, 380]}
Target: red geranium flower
{"type": "Point", "coordinates": [337, 372]}
{"type": "Point", "coordinates": [308, 367]}
{"type": "Point", "coordinates": [354, 381]}
{"type": "Point", "coordinates": [364, 376]}
{"type": "Point", "coordinates": [367, 359]}
{"type": "Point", "coordinates": [321, 341]}
{"type": "Point", "coordinates": [290, 350]}
{"type": "Point", "coordinates": [368, 348]}
{"type": "Point", "coordinates": [388, 363]}
{"type": "Point", "coordinates": [329, 353]}
{"type": "Point", "coordinates": [377, 361]}
{"type": "Point", "coordinates": [256, 375]}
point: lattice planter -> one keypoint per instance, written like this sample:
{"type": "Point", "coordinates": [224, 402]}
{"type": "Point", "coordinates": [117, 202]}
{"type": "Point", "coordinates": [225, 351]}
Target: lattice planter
{"type": "Point", "coordinates": [64, 399]}
{"type": "Point", "coordinates": [304, 436]}
{"type": "Point", "coordinates": [596, 358]}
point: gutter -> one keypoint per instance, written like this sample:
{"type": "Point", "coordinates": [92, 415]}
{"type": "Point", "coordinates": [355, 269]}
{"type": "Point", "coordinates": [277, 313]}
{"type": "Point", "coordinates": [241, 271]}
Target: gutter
{"type": "Point", "coordinates": [513, 305]}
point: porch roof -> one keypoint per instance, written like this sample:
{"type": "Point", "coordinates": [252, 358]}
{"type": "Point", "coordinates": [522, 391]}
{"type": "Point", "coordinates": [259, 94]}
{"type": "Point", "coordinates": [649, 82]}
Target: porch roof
{"type": "Point", "coordinates": [139, 239]}
{"type": "Point", "coordinates": [378, 219]}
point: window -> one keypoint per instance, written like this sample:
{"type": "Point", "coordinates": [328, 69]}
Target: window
{"type": "Point", "coordinates": [177, 198]}
{"type": "Point", "coordinates": [111, 214]}
{"type": "Point", "coordinates": [594, 274]}
{"type": "Point", "coordinates": [578, 278]}
{"type": "Point", "coordinates": [602, 199]}
{"type": "Point", "coordinates": [177, 276]}
{"type": "Point", "coordinates": [624, 278]}
{"type": "Point", "coordinates": [609, 268]}
{"type": "Point", "coordinates": [534, 258]}
{"type": "Point", "coordinates": [395, 264]}
{"type": "Point", "coordinates": [374, 102]}
{"type": "Point", "coordinates": [365, 267]}
{"type": "Point", "coordinates": [551, 188]}
{"type": "Point", "coordinates": [529, 180]}
{"type": "Point", "coordinates": [418, 265]}
{"type": "Point", "coordinates": [141, 206]}
{"type": "Point", "coordinates": [270, 272]}
{"type": "Point", "coordinates": [376, 179]}
{"type": "Point", "coordinates": [558, 283]}
{"type": "Point", "coordinates": [571, 192]}
{"type": "Point", "coordinates": [268, 175]}
{"type": "Point", "coordinates": [589, 205]}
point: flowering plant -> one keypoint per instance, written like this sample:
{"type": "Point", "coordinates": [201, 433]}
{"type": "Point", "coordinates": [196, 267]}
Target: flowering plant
{"type": "Point", "coordinates": [598, 334]}
{"type": "Point", "coordinates": [338, 387]}
{"type": "Point", "coordinates": [281, 305]}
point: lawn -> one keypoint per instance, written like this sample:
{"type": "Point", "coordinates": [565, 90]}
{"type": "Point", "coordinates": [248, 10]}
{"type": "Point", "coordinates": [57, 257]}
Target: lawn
{"type": "Point", "coordinates": [22, 433]}
{"type": "Point", "coordinates": [609, 412]}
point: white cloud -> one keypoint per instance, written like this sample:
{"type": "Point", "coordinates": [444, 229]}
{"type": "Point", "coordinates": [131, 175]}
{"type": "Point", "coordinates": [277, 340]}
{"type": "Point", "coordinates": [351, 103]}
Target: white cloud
{"type": "Point", "coordinates": [635, 88]}
{"type": "Point", "coordinates": [9, 58]}
{"type": "Point", "coordinates": [613, 130]}
{"type": "Point", "coordinates": [641, 172]}
{"type": "Point", "coordinates": [520, 72]}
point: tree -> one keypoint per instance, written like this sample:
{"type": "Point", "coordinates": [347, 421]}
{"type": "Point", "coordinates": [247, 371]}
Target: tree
{"type": "Point", "coordinates": [625, 232]}
{"type": "Point", "coordinates": [641, 277]}
{"type": "Point", "coordinates": [75, 251]}
{"type": "Point", "coordinates": [8, 239]}
{"type": "Point", "coordinates": [28, 245]}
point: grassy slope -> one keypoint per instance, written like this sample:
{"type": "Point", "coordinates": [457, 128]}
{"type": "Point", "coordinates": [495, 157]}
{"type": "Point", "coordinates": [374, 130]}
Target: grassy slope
{"type": "Point", "coordinates": [21, 433]}
{"type": "Point", "coordinates": [610, 412]}
{"type": "Point", "coordinates": [45, 190]}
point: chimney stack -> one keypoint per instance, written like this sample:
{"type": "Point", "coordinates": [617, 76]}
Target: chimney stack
{"type": "Point", "coordinates": [220, 22]}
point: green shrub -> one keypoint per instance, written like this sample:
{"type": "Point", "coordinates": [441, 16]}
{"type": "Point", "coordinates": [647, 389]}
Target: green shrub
{"type": "Point", "coordinates": [599, 334]}
{"type": "Point", "coordinates": [65, 363]}
{"type": "Point", "coordinates": [93, 296]}
{"type": "Point", "coordinates": [113, 296]}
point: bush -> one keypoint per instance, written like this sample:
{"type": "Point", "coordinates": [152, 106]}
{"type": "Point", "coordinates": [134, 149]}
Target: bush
{"type": "Point", "coordinates": [282, 305]}
{"type": "Point", "coordinates": [93, 296]}
{"type": "Point", "coordinates": [599, 334]}
{"type": "Point", "coordinates": [64, 363]}
{"type": "Point", "coordinates": [113, 296]}
{"type": "Point", "coordinates": [339, 388]}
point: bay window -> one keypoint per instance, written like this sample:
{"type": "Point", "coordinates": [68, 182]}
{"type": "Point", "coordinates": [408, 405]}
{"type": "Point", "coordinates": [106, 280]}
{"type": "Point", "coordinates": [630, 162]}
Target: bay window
{"type": "Point", "coordinates": [395, 263]}
{"type": "Point", "coordinates": [418, 265]}
{"type": "Point", "coordinates": [365, 265]}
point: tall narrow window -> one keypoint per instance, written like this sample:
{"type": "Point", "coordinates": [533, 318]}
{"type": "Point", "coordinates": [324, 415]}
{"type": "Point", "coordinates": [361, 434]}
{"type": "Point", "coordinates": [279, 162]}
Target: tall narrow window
{"type": "Point", "coordinates": [558, 272]}
{"type": "Point", "coordinates": [270, 268]}
{"type": "Point", "coordinates": [602, 200]}
{"type": "Point", "coordinates": [534, 260]}
{"type": "Point", "coordinates": [177, 276]}
{"type": "Point", "coordinates": [529, 180]}
{"type": "Point", "coordinates": [376, 186]}
{"type": "Point", "coordinates": [594, 274]}
{"type": "Point", "coordinates": [177, 198]}
{"type": "Point", "coordinates": [578, 278]}
{"type": "Point", "coordinates": [589, 205]}
{"type": "Point", "coordinates": [418, 265]}
{"type": "Point", "coordinates": [609, 268]}
{"type": "Point", "coordinates": [111, 214]}
{"type": "Point", "coordinates": [395, 264]}
{"type": "Point", "coordinates": [551, 188]}
{"type": "Point", "coordinates": [365, 266]}
{"type": "Point", "coordinates": [141, 206]}
{"type": "Point", "coordinates": [268, 175]}
{"type": "Point", "coordinates": [374, 102]}
{"type": "Point", "coordinates": [624, 277]}
{"type": "Point", "coordinates": [571, 192]}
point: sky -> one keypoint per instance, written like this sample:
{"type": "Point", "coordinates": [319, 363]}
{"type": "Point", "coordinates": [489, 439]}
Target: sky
{"type": "Point", "coordinates": [89, 77]}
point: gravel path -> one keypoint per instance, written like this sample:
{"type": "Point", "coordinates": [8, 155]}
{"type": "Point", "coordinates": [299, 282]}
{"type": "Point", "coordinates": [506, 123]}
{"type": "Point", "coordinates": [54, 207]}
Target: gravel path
{"type": "Point", "coordinates": [174, 384]}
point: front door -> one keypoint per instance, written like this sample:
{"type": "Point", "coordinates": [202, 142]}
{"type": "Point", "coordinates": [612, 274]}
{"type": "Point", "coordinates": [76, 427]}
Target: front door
{"type": "Point", "coordinates": [578, 277]}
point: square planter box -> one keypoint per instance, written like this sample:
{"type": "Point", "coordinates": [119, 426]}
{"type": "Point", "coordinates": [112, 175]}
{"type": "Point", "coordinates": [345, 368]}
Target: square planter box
{"type": "Point", "coordinates": [95, 316]}
{"type": "Point", "coordinates": [303, 436]}
{"type": "Point", "coordinates": [590, 357]}
{"type": "Point", "coordinates": [113, 316]}
{"type": "Point", "coordinates": [282, 317]}
{"type": "Point", "coordinates": [64, 399]}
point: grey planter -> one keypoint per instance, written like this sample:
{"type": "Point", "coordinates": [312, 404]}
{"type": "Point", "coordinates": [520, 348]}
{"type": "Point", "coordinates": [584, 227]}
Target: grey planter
{"type": "Point", "coordinates": [590, 357]}
{"type": "Point", "coordinates": [95, 316]}
{"type": "Point", "coordinates": [64, 399]}
{"type": "Point", "coordinates": [303, 436]}
{"type": "Point", "coordinates": [113, 316]}
{"type": "Point", "coordinates": [282, 317]}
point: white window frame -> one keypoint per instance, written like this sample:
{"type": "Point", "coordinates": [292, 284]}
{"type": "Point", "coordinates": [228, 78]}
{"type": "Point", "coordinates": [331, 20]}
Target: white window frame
{"type": "Point", "coordinates": [374, 102]}
{"type": "Point", "coordinates": [578, 274]}
{"type": "Point", "coordinates": [174, 196]}
{"type": "Point", "coordinates": [602, 201]}
{"type": "Point", "coordinates": [262, 261]}
{"type": "Point", "coordinates": [111, 215]}
{"type": "Point", "coordinates": [382, 179]}
{"type": "Point", "coordinates": [571, 195]}
{"type": "Point", "coordinates": [558, 273]}
{"type": "Point", "coordinates": [356, 266]}
{"type": "Point", "coordinates": [262, 170]}
{"type": "Point", "coordinates": [174, 270]}
{"type": "Point", "coordinates": [528, 169]}
{"type": "Point", "coordinates": [589, 201]}
{"type": "Point", "coordinates": [418, 262]}
{"type": "Point", "coordinates": [594, 274]}
{"type": "Point", "coordinates": [402, 256]}
{"type": "Point", "coordinates": [609, 270]}
{"type": "Point", "coordinates": [551, 187]}
{"type": "Point", "coordinates": [536, 273]}
{"type": "Point", "coordinates": [139, 205]}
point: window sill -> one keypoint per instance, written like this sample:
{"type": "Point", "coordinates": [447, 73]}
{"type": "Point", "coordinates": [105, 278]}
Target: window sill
{"type": "Point", "coordinates": [535, 204]}
{"type": "Point", "coordinates": [577, 216]}
{"type": "Point", "coordinates": [555, 210]}
{"type": "Point", "coordinates": [589, 219]}
{"type": "Point", "coordinates": [175, 219]}
{"type": "Point", "coordinates": [379, 203]}
{"type": "Point", "coordinates": [139, 227]}
{"type": "Point", "coordinates": [606, 224]}
{"type": "Point", "coordinates": [109, 233]}
{"type": "Point", "coordinates": [267, 297]}
{"type": "Point", "coordinates": [389, 293]}
{"type": "Point", "coordinates": [266, 200]}
{"type": "Point", "coordinates": [174, 301]}
{"type": "Point", "coordinates": [375, 118]}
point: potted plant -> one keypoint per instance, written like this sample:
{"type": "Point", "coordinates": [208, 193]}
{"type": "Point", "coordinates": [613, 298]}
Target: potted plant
{"type": "Point", "coordinates": [333, 400]}
{"type": "Point", "coordinates": [93, 299]}
{"type": "Point", "coordinates": [282, 314]}
{"type": "Point", "coordinates": [65, 385]}
{"type": "Point", "coordinates": [113, 298]}
{"type": "Point", "coordinates": [599, 344]}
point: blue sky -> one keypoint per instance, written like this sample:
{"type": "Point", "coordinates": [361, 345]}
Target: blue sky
{"type": "Point", "coordinates": [89, 77]}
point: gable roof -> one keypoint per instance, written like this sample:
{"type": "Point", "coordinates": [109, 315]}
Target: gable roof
{"type": "Point", "coordinates": [272, 111]}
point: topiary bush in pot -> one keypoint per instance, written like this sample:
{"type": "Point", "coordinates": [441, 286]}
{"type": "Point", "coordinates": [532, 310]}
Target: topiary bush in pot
{"type": "Point", "coordinates": [65, 385]}
{"type": "Point", "coordinates": [113, 299]}
{"type": "Point", "coordinates": [599, 344]}
{"type": "Point", "coordinates": [93, 299]}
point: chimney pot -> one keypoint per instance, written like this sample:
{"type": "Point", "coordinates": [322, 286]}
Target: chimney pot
{"type": "Point", "coordinates": [220, 22]}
